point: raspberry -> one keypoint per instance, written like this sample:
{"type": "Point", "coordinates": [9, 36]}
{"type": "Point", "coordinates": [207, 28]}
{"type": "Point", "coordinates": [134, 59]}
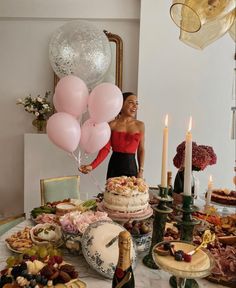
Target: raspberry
{"type": "Point", "coordinates": [187, 258]}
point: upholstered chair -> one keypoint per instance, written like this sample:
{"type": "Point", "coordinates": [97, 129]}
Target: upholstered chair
{"type": "Point", "coordinates": [60, 188]}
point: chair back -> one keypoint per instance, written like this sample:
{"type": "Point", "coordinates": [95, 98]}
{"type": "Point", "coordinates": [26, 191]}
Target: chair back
{"type": "Point", "coordinates": [60, 188]}
{"type": "Point", "coordinates": [9, 222]}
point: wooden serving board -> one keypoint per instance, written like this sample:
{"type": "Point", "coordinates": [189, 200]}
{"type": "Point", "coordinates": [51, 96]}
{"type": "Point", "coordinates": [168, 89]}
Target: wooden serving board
{"type": "Point", "coordinates": [221, 281]}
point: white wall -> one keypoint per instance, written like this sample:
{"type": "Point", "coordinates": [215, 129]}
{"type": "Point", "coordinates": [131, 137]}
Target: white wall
{"type": "Point", "coordinates": [25, 30]}
{"type": "Point", "coordinates": [182, 81]}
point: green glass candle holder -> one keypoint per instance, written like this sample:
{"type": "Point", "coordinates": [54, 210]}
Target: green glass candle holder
{"type": "Point", "coordinates": [161, 212]}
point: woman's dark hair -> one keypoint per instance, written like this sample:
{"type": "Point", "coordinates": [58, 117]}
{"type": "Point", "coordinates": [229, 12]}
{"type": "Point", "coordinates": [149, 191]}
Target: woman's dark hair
{"type": "Point", "coordinates": [126, 95]}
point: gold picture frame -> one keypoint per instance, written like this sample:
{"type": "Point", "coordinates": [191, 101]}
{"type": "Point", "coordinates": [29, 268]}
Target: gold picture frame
{"type": "Point", "coordinates": [116, 39]}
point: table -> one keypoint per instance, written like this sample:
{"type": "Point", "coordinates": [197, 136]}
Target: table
{"type": "Point", "coordinates": [144, 277]}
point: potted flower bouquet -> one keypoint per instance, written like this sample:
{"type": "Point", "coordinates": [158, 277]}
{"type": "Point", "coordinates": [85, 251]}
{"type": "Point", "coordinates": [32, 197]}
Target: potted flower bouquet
{"type": "Point", "coordinates": [40, 107]}
{"type": "Point", "coordinates": [202, 156]}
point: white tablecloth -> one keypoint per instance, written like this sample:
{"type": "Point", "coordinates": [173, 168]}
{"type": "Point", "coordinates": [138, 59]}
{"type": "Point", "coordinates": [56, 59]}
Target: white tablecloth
{"type": "Point", "coordinates": [144, 277]}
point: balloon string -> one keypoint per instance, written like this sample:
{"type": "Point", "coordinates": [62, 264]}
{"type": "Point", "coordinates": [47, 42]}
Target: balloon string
{"type": "Point", "coordinates": [78, 160]}
{"type": "Point", "coordinates": [95, 182]}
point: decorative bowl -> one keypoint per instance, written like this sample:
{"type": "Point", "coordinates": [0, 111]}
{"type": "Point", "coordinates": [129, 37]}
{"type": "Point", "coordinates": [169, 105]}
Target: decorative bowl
{"type": "Point", "coordinates": [142, 241]}
{"type": "Point", "coordinates": [73, 242]}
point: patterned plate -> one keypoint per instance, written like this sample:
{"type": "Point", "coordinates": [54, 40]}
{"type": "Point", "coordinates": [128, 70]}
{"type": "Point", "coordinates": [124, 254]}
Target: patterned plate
{"type": "Point", "coordinates": [99, 256]}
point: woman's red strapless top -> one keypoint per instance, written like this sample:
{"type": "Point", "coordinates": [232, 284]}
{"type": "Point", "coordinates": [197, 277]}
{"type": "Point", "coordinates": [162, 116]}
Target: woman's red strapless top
{"type": "Point", "coordinates": [122, 142]}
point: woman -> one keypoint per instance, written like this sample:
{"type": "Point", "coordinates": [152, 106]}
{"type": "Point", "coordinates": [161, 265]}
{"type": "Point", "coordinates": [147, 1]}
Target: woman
{"type": "Point", "coordinates": [127, 139]}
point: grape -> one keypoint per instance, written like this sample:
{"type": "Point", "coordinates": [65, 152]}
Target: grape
{"type": "Point", "coordinates": [20, 258]}
{"type": "Point", "coordinates": [5, 279]}
{"type": "Point", "coordinates": [23, 266]}
{"type": "Point", "coordinates": [10, 261]}
{"type": "Point", "coordinates": [35, 247]}
{"type": "Point", "coordinates": [32, 258]}
{"type": "Point", "coordinates": [38, 278]}
{"type": "Point", "coordinates": [33, 282]}
{"type": "Point", "coordinates": [55, 252]}
{"type": "Point", "coordinates": [44, 280]}
{"type": "Point", "coordinates": [58, 259]}
{"type": "Point", "coordinates": [43, 252]}
{"type": "Point", "coordinates": [31, 252]}
{"type": "Point", "coordinates": [29, 277]}
{"type": "Point", "coordinates": [178, 256]}
{"type": "Point", "coordinates": [26, 257]}
{"type": "Point", "coordinates": [24, 273]}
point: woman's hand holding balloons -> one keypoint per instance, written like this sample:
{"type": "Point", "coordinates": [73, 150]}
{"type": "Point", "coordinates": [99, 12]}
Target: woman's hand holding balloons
{"type": "Point", "coordinates": [85, 169]}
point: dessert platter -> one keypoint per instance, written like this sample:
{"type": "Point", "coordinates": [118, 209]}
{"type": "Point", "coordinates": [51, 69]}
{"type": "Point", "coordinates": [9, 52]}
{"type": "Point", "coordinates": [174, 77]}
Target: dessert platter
{"type": "Point", "coordinates": [182, 260]}
{"type": "Point", "coordinates": [222, 249]}
{"type": "Point", "coordinates": [224, 197]}
{"type": "Point", "coordinates": [126, 198]}
{"type": "Point", "coordinates": [42, 266]}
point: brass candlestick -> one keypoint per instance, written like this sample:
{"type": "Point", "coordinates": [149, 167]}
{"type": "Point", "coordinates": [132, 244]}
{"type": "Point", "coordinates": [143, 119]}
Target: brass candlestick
{"type": "Point", "coordinates": [161, 212]}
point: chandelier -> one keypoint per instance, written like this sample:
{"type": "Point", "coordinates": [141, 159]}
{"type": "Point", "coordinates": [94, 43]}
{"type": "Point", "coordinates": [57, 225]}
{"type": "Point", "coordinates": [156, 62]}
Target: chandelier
{"type": "Point", "coordinates": [202, 22]}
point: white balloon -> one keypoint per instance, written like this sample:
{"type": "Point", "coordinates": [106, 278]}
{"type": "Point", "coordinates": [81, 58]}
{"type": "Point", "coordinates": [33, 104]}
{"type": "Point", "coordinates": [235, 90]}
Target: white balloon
{"type": "Point", "coordinates": [80, 48]}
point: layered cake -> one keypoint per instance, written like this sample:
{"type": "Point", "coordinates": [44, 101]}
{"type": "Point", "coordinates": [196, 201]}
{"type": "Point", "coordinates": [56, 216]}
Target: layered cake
{"type": "Point", "coordinates": [126, 195]}
{"type": "Point", "coordinates": [224, 196]}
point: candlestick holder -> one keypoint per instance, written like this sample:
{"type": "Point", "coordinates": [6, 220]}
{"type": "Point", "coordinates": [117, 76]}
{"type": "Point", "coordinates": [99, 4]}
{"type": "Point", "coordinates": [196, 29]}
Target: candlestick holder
{"type": "Point", "coordinates": [161, 212]}
{"type": "Point", "coordinates": [186, 225]}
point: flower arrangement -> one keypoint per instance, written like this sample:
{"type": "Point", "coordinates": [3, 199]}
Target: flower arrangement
{"type": "Point", "coordinates": [202, 156]}
{"type": "Point", "coordinates": [39, 106]}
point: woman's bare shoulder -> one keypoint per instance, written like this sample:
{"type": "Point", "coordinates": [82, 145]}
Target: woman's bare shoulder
{"type": "Point", "coordinates": [113, 123]}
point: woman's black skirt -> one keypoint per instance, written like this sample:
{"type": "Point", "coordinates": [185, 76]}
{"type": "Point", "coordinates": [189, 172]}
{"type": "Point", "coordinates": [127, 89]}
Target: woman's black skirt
{"type": "Point", "coordinates": [122, 164]}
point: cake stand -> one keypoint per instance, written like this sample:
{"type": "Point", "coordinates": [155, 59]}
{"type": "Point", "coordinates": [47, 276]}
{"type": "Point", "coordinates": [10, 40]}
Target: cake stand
{"type": "Point", "coordinates": [223, 209]}
{"type": "Point", "coordinates": [184, 272]}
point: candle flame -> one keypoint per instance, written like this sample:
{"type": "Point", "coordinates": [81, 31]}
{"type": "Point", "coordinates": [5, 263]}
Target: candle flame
{"type": "Point", "coordinates": [166, 120]}
{"type": "Point", "coordinates": [190, 124]}
{"type": "Point", "coordinates": [210, 178]}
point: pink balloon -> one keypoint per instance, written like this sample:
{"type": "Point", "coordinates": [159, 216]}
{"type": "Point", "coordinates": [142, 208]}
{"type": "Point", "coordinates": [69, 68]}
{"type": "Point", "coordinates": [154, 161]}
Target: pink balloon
{"type": "Point", "coordinates": [105, 102]}
{"type": "Point", "coordinates": [94, 136]}
{"type": "Point", "coordinates": [71, 95]}
{"type": "Point", "coordinates": [64, 131]}
{"type": "Point", "coordinates": [56, 104]}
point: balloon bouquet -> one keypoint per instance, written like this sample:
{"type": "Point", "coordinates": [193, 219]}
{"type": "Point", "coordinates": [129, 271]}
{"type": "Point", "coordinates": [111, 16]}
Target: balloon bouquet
{"type": "Point", "coordinates": [80, 55]}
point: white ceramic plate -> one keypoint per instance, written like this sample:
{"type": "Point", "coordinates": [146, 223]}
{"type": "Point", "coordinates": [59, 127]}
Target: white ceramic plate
{"type": "Point", "coordinates": [14, 250]}
{"type": "Point", "coordinates": [101, 258]}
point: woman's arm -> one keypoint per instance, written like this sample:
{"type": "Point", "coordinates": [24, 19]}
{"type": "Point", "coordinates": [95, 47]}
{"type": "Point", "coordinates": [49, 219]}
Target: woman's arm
{"type": "Point", "coordinates": [141, 152]}
{"type": "Point", "coordinates": [102, 154]}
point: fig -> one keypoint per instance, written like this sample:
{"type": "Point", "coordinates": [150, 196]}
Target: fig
{"type": "Point", "coordinates": [135, 231]}
{"type": "Point", "coordinates": [144, 229]}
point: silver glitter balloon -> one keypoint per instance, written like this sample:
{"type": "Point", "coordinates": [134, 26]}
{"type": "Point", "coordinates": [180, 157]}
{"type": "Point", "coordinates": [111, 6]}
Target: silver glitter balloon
{"type": "Point", "coordinates": [81, 49]}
